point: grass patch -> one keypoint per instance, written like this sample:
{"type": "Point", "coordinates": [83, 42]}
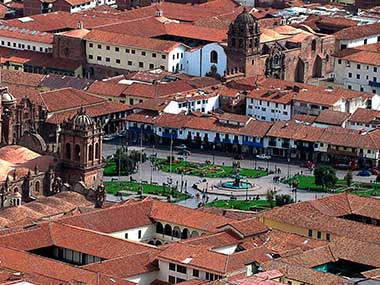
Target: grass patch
{"type": "Point", "coordinates": [110, 169]}
{"type": "Point", "coordinates": [360, 188]}
{"type": "Point", "coordinates": [112, 187]}
{"type": "Point", "coordinates": [206, 170]}
{"type": "Point", "coordinates": [240, 204]}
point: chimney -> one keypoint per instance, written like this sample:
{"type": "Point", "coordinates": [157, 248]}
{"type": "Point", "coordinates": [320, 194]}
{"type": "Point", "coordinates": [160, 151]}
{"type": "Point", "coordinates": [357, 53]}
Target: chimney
{"type": "Point", "coordinates": [80, 25]}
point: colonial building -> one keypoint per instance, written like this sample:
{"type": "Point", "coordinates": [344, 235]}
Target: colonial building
{"type": "Point", "coordinates": [283, 52]}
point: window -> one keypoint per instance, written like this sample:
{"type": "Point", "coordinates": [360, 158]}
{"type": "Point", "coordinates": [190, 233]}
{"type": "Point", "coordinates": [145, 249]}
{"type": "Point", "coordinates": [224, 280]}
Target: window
{"type": "Point", "coordinates": [141, 64]}
{"type": "Point", "coordinates": [108, 59]}
{"type": "Point", "coordinates": [214, 57]}
{"type": "Point", "coordinates": [171, 279]}
{"type": "Point", "coordinates": [361, 89]}
{"type": "Point", "coordinates": [117, 61]}
{"type": "Point", "coordinates": [177, 55]}
{"type": "Point", "coordinates": [339, 61]}
{"type": "Point", "coordinates": [173, 56]}
{"type": "Point", "coordinates": [129, 62]}
{"type": "Point", "coordinates": [99, 46]}
{"type": "Point", "coordinates": [130, 101]}
{"type": "Point", "coordinates": [357, 76]}
{"type": "Point", "coordinates": [117, 49]}
{"type": "Point", "coordinates": [143, 53]}
{"type": "Point", "coordinates": [90, 56]}
{"type": "Point", "coordinates": [365, 41]}
{"type": "Point", "coordinates": [319, 235]}
{"type": "Point", "coordinates": [328, 238]}
{"type": "Point", "coordinates": [91, 45]}
{"type": "Point", "coordinates": [108, 48]}
{"type": "Point", "coordinates": [375, 79]}
{"type": "Point", "coordinates": [358, 66]}
{"type": "Point", "coordinates": [181, 269]}
{"type": "Point", "coordinates": [349, 75]}
{"type": "Point", "coordinates": [127, 50]}
{"type": "Point", "coordinates": [314, 45]}
{"type": "Point", "coordinates": [163, 56]}
{"type": "Point", "coordinates": [151, 66]}
{"type": "Point", "coordinates": [195, 272]}
{"type": "Point", "coordinates": [310, 233]}
{"type": "Point", "coordinates": [133, 51]}
{"type": "Point", "coordinates": [179, 280]}
{"type": "Point", "coordinates": [139, 234]}
{"type": "Point", "coordinates": [172, 266]}
{"type": "Point", "coordinates": [154, 55]}
{"type": "Point", "coordinates": [343, 46]}
{"type": "Point", "coordinates": [375, 69]}
{"type": "Point", "coordinates": [349, 87]}
{"type": "Point", "coordinates": [126, 235]}
{"type": "Point", "coordinates": [98, 58]}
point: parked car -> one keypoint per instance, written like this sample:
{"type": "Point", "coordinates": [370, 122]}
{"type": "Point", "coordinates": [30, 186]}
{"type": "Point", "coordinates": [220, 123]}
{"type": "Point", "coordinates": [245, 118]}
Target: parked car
{"type": "Point", "coordinates": [108, 138]}
{"type": "Point", "coordinates": [264, 156]}
{"type": "Point", "coordinates": [184, 152]}
{"type": "Point", "coordinates": [180, 157]}
{"type": "Point", "coordinates": [374, 171]}
{"type": "Point", "coordinates": [364, 172]}
{"type": "Point", "coordinates": [180, 147]}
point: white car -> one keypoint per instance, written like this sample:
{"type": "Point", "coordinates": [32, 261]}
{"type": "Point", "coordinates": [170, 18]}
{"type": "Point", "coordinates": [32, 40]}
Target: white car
{"type": "Point", "coordinates": [264, 156]}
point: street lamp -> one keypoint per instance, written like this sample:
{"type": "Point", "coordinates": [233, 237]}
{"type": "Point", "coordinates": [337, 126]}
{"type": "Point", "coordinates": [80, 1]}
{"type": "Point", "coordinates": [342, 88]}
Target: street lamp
{"type": "Point", "coordinates": [213, 154]}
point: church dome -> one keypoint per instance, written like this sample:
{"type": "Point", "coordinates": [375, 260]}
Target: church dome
{"type": "Point", "coordinates": [82, 120]}
{"type": "Point", "coordinates": [6, 97]}
{"type": "Point", "coordinates": [245, 18]}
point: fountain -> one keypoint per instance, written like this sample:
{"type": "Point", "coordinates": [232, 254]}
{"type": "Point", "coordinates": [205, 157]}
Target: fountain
{"type": "Point", "coordinates": [237, 183]}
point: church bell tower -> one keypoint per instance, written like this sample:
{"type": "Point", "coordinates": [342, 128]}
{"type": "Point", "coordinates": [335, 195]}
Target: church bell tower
{"type": "Point", "coordinates": [243, 45]}
{"type": "Point", "coordinates": [81, 151]}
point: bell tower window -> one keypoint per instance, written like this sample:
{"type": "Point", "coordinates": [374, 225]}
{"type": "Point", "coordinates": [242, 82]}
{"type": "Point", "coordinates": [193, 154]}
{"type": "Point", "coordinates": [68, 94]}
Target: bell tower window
{"type": "Point", "coordinates": [214, 57]}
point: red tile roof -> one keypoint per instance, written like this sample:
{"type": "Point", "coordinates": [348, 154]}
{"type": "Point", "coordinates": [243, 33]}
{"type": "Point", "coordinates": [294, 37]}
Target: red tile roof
{"type": "Point", "coordinates": [27, 35]}
{"type": "Point", "coordinates": [364, 116]}
{"type": "Point", "coordinates": [331, 117]}
{"type": "Point", "coordinates": [357, 32]}
{"type": "Point", "coordinates": [131, 41]}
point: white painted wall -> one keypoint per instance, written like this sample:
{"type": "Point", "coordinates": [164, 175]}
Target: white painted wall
{"type": "Point", "coordinates": [176, 59]}
{"type": "Point", "coordinates": [202, 105]}
{"type": "Point", "coordinates": [19, 44]}
{"type": "Point", "coordinates": [198, 61]}
{"type": "Point", "coordinates": [146, 232]}
{"type": "Point", "coordinates": [268, 111]}
{"type": "Point", "coordinates": [144, 279]}
{"type": "Point", "coordinates": [229, 249]}
{"type": "Point", "coordinates": [359, 41]}
{"type": "Point", "coordinates": [350, 76]}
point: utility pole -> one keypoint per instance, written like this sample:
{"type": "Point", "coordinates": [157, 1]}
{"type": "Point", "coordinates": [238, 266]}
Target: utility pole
{"type": "Point", "coordinates": [170, 156]}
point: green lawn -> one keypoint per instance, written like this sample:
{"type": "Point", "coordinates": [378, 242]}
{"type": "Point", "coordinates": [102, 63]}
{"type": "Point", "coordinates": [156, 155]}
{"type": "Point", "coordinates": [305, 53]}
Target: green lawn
{"type": "Point", "coordinates": [206, 170]}
{"type": "Point", "coordinates": [240, 204]}
{"type": "Point", "coordinates": [112, 187]}
{"type": "Point", "coordinates": [110, 169]}
{"type": "Point", "coordinates": [359, 188]}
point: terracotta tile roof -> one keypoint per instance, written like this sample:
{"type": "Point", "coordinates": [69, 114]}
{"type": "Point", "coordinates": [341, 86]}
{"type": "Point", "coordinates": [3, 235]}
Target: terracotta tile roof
{"type": "Point", "coordinates": [195, 32]}
{"type": "Point", "coordinates": [247, 227]}
{"type": "Point", "coordinates": [229, 213]}
{"type": "Point", "coordinates": [107, 88]}
{"type": "Point", "coordinates": [357, 32]}
{"type": "Point", "coordinates": [66, 98]}
{"type": "Point", "coordinates": [214, 241]}
{"type": "Point", "coordinates": [56, 81]}
{"type": "Point", "coordinates": [104, 220]}
{"type": "Point", "coordinates": [364, 116]}
{"type": "Point", "coordinates": [131, 41]}
{"type": "Point", "coordinates": [93, 243]}
{"type": "Point", "coordinates": [156, 104]}
{"type": "Point", "coordinates": [27, 35]}
{"type": "Point", "coordinates": [127, 266]}
{"type": "Point", "coordinates": [102, 109]}
{"type": "Point", "coordinates": [367, 55]}
{"type": "Point", "coordinates": [233, 117]}
{"type": "Point", "coordinates": [331, 117]}
{"type": "Point", "coordinates": [162, 211]}
{"type": "Point", "coordinates": [153, 91]}
{"type": "Point", "coordinates": [304, 118]}
{"type": "Point", "coordinates": [21, 78]}
{"type": "Point", "coordinates": [295, 131]}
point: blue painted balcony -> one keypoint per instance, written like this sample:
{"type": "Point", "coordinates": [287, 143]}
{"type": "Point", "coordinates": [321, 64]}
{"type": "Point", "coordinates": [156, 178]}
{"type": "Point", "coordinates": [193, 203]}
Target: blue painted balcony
{"type": "Point", "coordinates": [169, 135]}
{"type": "Point", "coordinates": [374, 84]}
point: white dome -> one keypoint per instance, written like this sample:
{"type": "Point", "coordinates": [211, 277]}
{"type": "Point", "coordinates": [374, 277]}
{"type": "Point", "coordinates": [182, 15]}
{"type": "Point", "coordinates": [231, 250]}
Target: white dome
{"type": "Point", "coordinates": [7, 98]}
{"type": "Point", "coordinates": [82, 119]}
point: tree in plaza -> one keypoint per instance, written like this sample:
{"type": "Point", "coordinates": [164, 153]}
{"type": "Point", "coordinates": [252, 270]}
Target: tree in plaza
{"type": "Point", "coordinates": [283, 199]}
{"type": "Point", "coordinates": [126, 162]}
{"type": "Point", "coordinates": [325, 176]}
{"type": "Point", "coordinates": [348, 177]}
{"type": "Point", "coordinates": [271, 193]}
